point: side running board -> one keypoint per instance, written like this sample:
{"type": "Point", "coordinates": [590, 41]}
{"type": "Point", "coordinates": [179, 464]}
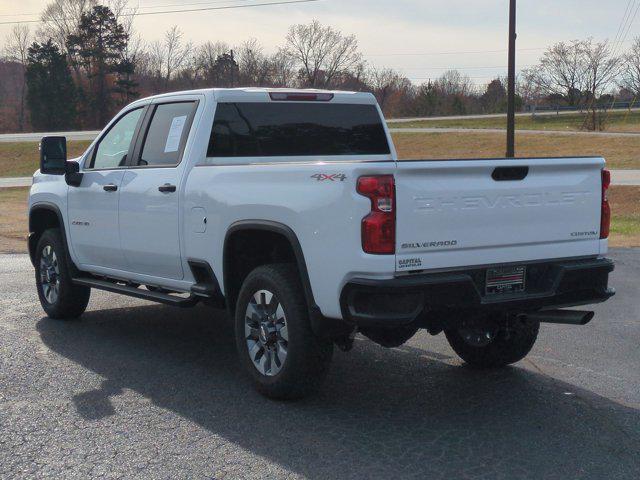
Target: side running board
{"type": "Point", "coordinates": [182, 302]}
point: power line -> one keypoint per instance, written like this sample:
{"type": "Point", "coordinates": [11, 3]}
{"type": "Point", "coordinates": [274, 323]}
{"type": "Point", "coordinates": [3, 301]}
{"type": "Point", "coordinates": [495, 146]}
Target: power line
{"type": "Point", "coordinates": [633, 18]}
{"type": "Point", "coordinates": [622, 22]}
{"type": "Point", "coordinates": [189, 10]}
{"type": "Point", "coordinates": [447, 53]}
{"type": "Point", "coordinates": [208, 2]}
{"type": "Point", "coordinates": [460, 67]}
{"type": "Point", "coordinates": [135, 9]}
{"type": "Point", "coordinates": [625, 27]}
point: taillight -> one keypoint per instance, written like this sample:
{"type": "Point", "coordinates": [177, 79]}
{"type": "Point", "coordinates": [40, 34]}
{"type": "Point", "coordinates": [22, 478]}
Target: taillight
{"type": "Point", "coordinates": [379, 227]}
{"type": "Point", "coordinates": [605, 219]}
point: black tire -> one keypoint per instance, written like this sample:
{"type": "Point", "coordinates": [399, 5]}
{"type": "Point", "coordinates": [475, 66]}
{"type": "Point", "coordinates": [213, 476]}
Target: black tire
{"type": "Point", "coordinates": [307, 356]}
{"type": "Point", "coordinates": [71, 300]}
{"type": "Point", "coordinates": [512, 342]}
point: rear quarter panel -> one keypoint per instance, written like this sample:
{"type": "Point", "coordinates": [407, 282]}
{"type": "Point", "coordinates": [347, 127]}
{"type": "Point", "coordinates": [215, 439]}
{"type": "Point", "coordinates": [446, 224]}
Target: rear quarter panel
{"type": "Point", "coordinates": [324, 214]}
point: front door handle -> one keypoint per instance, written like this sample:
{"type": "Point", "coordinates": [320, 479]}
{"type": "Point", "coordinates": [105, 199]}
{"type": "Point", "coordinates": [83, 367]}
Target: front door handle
{"type": "Point", "coordinates": [110, 188]}
{"type": "Point", "coordinates": [167, 188]}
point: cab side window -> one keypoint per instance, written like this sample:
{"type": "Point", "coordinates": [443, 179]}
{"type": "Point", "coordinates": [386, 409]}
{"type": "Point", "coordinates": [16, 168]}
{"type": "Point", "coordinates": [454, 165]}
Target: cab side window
{"type": "Point", "coordinates": [113, 148]}
{"type": "Point", "coordinates": [167, 134]}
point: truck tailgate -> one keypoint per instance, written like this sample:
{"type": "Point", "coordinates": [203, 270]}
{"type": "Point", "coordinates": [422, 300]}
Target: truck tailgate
{"type": "Point", "coordinates": [458, 213]}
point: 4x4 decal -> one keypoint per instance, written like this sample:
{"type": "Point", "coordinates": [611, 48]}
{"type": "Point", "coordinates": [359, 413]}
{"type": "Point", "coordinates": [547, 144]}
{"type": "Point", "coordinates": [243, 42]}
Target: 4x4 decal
{"type": "Point", "coordinates": [323, 177]}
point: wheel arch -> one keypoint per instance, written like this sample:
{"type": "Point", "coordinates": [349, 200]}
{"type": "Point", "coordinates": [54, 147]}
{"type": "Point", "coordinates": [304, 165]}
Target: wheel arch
{"type": "Point", "coordinates": [42, 216]}
{"type": "Point", "coordinates": [275, 229]}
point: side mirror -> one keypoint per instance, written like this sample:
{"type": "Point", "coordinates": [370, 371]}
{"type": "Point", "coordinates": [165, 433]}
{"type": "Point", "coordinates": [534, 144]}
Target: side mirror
{"type": "Point", "coordinates": [53, 155]}
{"type": "Point", "coordinates": [73, 176]}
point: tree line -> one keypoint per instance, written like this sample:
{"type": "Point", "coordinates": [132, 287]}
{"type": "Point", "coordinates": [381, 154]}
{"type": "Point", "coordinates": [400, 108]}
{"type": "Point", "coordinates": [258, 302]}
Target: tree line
{"type": "Point", "coordinates": [86, 61]}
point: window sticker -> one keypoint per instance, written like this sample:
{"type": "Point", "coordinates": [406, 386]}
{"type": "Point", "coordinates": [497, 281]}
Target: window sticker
{"type": "Point", "coordinates": [175, 134]}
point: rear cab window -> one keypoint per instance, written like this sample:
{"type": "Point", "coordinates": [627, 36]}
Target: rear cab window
{"type": "Point", "coordinates": [296, 129]}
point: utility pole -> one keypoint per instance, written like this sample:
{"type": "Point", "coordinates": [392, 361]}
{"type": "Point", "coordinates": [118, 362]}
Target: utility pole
{"type": "Point", "coordinates": [511, 88]}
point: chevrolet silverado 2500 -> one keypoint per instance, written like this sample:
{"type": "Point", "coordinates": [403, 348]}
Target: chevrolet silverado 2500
{"type": "Point", "coordinates": [291, 210]}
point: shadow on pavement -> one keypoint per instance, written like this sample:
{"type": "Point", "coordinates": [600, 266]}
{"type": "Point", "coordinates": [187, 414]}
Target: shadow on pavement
{"type": "Point", "coordinates": [383, 413]}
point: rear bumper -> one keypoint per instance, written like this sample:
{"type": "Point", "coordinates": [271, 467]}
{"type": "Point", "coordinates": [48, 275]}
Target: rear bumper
{"type": "Point", "coordinates": [402, 300]}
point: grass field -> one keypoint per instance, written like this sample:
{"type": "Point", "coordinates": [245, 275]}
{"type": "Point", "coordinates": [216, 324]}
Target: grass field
{"type": "Point", "coordinates": [13, 220]}
{"type": "Point", "coordinates": [625, 229]}
{"type": "Point", "coordinates": [619, 121]}
{"type": "Point", "coordinates": [620, 152]}
{"type": "Point", "coordinates": [21, 159]}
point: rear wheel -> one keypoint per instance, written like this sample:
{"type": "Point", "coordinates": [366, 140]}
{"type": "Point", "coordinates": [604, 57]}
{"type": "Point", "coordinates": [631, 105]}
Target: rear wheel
{"type": "Point", "coordinates": [276, 344]}
{"type": "Point", "coordinates": [495, 344]}
{"type": "Point", "coordinates": [59, 297]}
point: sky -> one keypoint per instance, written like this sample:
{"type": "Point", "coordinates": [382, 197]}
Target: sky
{"type": "Point", "coordinates": [421, 38]}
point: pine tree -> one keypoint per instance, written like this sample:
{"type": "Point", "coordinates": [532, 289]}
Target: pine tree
{"type": "Point", "coordinates": [50, 89]}
{"type": "Point", "coordinates": [99, 50]}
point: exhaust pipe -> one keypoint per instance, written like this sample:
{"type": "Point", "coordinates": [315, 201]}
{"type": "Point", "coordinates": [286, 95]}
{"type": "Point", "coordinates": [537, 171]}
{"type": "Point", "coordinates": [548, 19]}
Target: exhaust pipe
{"type": "Point", "coordinates": [564, 317]}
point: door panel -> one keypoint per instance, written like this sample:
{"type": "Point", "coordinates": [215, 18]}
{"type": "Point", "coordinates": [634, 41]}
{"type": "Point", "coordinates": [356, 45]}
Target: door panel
{"type": "Point", "coordinates": [149, 201]}
{"type": "Point", "coordinates": [149, 223]}
{"type": "Point", "coordinates": [93, 219]}
{"type": "Point", "coordinates": [93, 206]}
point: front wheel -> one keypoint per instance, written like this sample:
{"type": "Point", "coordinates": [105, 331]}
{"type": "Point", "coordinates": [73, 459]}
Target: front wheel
{"type": "Point", "coordinates": [495, 344]}
{"type": "Point", "coordinates": [59, 296]}
{"type": "Point", "coordinates": [276, 344]}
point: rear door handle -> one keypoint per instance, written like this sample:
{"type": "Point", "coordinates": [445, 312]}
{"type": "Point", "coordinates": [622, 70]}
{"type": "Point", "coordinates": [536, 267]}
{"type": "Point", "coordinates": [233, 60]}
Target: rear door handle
{"type": "Point", "coordinates": [110, 188]}
{"type": "Point", "coordinates": [167, 188]}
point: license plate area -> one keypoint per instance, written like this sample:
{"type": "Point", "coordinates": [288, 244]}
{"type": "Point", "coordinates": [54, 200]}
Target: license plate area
{"type": "Point", "coordinates": [505, 280]}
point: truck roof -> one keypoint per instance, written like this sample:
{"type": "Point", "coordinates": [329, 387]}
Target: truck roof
{"type": "Point", "coordinates": [261, 94]}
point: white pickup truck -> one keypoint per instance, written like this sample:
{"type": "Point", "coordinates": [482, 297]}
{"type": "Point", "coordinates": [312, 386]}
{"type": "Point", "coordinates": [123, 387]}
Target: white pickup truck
{"type": "Point", "coordinates": [291, 210]}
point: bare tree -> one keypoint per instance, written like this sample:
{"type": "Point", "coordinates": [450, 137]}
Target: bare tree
{"type": "Point", "coordinates": [170, 55]}
{"type": "Point", "coordinates": [387, 83]}
{"type": "Point", "coordinates": [124, 14]}
{"type": "Point", "coordinates": [282, 69]}
{"type": "Point", "coordinates": [452, 82]}
{"type": "Point", "coordinates": [205, 57]}
{"type": "Point", "coordinates": [255, 67]}
{"type": "Point", "coordinates": [528, 86]}
{"type": "Point", "coordinates": [631, 70]}
{"type": "Point", "coordinates": [61, 18]}
{"type": "Point", "coordinates": [562, 71]}
{"type": "Point", "coordinates": [17, 49]}
{"type": "Point", "coordinates": [322, 52]}
{"type": "Point", "coordinates": [601, 69]}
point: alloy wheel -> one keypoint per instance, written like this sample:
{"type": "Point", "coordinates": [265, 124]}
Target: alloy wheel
{"type": "Point", "coordinates": [266, 333]}
{"type": "Point", "coordinates": [49, 274]}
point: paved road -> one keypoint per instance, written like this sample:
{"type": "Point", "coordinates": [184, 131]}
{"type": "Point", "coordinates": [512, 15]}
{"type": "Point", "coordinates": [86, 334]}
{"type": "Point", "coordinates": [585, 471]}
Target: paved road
{"type": "Point", "coordinates": [90, 135]}
{"type": "Point", "coordinates": [518, 132]}
{"type": "Point", "coordinates": [619, 177]}
{"type": "Point", "coordinates": [493, 115]}
{"type": "Point", "coordinates": [143, 391]}
{"type": "Point", "coordinates": [625, 177]}
{"type": "Point", "coordinates": [15, 182]}
{"type": "Point", "coordinates": [35, 137]}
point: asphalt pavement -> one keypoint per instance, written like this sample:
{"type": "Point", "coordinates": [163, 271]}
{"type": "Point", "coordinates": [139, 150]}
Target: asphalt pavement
{"type": "Point", "coordinates": [136, 390]}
